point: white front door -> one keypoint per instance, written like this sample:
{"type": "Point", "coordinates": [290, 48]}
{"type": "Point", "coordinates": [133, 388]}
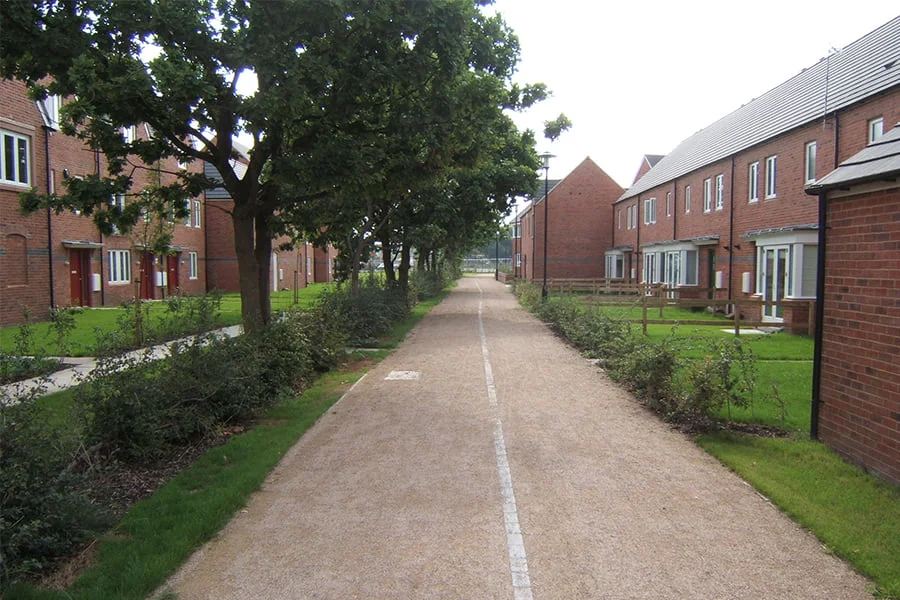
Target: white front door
{"type": "Point", "coordinates": [776, 279]}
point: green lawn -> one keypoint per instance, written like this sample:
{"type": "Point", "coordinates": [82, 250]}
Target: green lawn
{"type": "Point", "coordinates": [89, 321]}
{"type": "Point", "coordinates": [854, 514]}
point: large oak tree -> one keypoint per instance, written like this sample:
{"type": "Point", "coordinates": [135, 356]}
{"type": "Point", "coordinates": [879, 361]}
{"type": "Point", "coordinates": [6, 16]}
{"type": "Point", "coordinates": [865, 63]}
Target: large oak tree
{"type": "Point", "coordinates": [353, 104]}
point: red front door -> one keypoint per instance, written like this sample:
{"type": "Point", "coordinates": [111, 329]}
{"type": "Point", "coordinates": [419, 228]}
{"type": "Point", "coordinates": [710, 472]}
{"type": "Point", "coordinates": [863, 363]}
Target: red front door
{"type": "Point", "coordinates": [147, 275]}
{"type": "Point", "coordinates": [172, 273]}
{"type": "Point", "coordinates": [80, 277]}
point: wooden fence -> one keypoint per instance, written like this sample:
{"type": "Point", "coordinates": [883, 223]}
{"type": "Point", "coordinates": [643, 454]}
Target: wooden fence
{"type": "Point", "coordinates": [605, 292]}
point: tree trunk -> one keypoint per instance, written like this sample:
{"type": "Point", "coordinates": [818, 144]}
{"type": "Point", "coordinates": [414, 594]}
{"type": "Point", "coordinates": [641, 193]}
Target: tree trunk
{"type": "Point", "coordinates": [263, 254]}
{"type": "Point", "coordinates": [387, 259]}
{"type": "Point", "coordinates": [404, 267]}
{"type": "Point", "coordinates": [252, 314]}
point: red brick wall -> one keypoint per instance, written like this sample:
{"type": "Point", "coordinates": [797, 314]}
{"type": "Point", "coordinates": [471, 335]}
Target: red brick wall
{"type": "Point", "coordinates": [580, 225]}
{"type": "Point", "coordinates": [24, 262]}
{"type": "Point", "coordinates": [29, 284]}
{"type": "Point", "coordinates": [860, 387]}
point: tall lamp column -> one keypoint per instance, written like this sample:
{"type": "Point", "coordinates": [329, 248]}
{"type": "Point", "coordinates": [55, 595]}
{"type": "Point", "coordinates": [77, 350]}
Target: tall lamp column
{"type": "Point", "coordinates": [545, 157]}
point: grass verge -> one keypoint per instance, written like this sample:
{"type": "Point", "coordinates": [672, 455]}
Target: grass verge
{"type": "Point", "coordinates": [854, 514]}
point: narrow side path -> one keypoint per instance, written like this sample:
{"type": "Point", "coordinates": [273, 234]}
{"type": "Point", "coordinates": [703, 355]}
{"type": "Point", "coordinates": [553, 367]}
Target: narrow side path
{"type": "Point", "coordinates": [486, 459]}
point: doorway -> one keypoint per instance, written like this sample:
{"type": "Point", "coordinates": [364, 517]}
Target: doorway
{"type": "Point", "coordinates": [147, 275]}
{"type": "Point", "coordinates": [80, 277]}
{"type": "Point", "coordinates": [775, 279]}
{"type": "Point", "coordinates": [172, 262]}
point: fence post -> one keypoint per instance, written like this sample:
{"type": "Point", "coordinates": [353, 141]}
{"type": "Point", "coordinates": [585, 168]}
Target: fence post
{"type": "Point", "coordinates": [661, 294]}
{"type": "Point", "coordinates": [644, 311]}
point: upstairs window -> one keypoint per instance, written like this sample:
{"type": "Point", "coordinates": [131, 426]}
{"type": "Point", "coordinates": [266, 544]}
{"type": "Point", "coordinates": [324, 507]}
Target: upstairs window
{"type": "Point", "coordinates": [129, 134]}
{"type": "Point", "coordinates": [197, 214]}
{"type": "Point", "coordinates": [707, 195]}
{"type": "Point", "coordinates": [720, 192]}
{"type": "Point", "coordinates": [668, 204]}
{"type": "Point", "coordinates": [687, 198]}
{"type": "Point", "coordinates": [876, 129]}
{"type": "Point", "coordinates": [649, 211]}
{"type": "Point", "coordinates": [753, 182]}
{"type": "Point", "coordinates": [810, 163]}
{"type": "Point", "coordinates": [15, 159]}
{"type": "Point", "coordinates": [771, 177]}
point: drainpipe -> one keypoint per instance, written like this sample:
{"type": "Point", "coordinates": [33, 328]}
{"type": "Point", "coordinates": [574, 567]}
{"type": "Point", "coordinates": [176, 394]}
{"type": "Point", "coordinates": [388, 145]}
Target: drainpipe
{"type": "Point", "coordinates": [47, 131]}
{"type": "Point", "coordinates": [637, 240]}
{"type": "Point", "coordinates": [820, 317]}
{"type": "Point", "coordinates": [675, 209]}
{"type": "Point", "coordinates": [837, 139]}
{"type": "Point", "coordinates": [731, 230]}
{"type": "Point", "coordinates": [102, 287]}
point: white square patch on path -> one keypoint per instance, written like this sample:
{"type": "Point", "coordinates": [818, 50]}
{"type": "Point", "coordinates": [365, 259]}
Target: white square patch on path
{"type": "Point", "coordinates": [402, 376]}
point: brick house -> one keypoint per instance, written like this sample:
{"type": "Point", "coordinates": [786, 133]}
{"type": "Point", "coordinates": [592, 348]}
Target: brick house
{"type": "Point", "coordinates": [49, 259]}
{"type": "Point", "coordinates": [725, 214]}
{"type": "Point", "coordinates": [856, 387]}
{"type": "Point", "coordinates": [579, 228]}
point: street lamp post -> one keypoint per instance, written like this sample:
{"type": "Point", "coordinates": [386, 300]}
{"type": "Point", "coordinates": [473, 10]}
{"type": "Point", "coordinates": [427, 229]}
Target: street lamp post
{"type": "Point", "coordinates": [497, 257]}
{"type": "Point", "coordinates": [545, 157]}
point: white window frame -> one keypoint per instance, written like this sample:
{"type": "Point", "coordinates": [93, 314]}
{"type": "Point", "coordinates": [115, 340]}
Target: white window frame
{"type": "Point", "coordinates": [720, 191]}
{"type": "Point", "coordinates": [188, 221]}
{"type": "Point", "coordinates": [876, 129]}
{"type": "Point", "coordinates": [707, 195]}
{"type": "Point", "coordinates": [668, 204]}
{"type": "Point", "coordinates": [809, 163]}
{"type": "Point", "coordinates": [753, 182]}
{"type": "Point", "coordinates": [615, 265]}
{"type": "Point", "coordinates": [518, 259]}
{"type": "Point", "coordinates": [17, 158]}
{"type": "Point", "coordinates": [628, 223]}
{"type": "Point", "coordinates": [619, 219]}
{"type": "Point", "coordinates": [119, 267]}
{"type": "Point", "coordinates": [658, 260]}
{"type": "Point", "coordinates": [193, 265]}
{"type": "Point", "coordinates": [687, 199]}
{"type": "Point", "coordinates": [197, 210]}
{"type": "Point", "coordinates": [129, 134]}
{"type": "Point", "coordinates": [649, 211]}
{"type": "Point", "coordinates": [772, 176]}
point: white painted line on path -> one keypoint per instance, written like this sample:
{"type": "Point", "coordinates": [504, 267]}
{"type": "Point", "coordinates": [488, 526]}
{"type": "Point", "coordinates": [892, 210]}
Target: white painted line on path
{"type": "Point", "coordinates": [515, 544]}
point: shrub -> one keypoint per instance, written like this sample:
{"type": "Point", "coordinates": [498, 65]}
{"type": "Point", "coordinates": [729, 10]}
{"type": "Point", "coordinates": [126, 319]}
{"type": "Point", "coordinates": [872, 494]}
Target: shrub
{"type": "Point", "coordinates": [725, 377]}
{"type": "Point", "coordinates": [428, 284]}
{"type": "Point", "coordinates": [44, 513]}
{"type": "Point", "coordinates": [363, 318]}
{"type": "Point", "coordinates": [649, 369]}
{"type": "Point", "coordinates": [137, 407]}
{"type": "Point", "coordinates": [528, 293]}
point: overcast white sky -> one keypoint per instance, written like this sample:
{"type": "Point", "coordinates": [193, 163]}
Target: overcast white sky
{"type": "Point", "coordinates": [638, 77]}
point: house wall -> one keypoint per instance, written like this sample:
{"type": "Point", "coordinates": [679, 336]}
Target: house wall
{"type": "Point", "coordinates": [24, 255]}
{"type": "Point", "coordinates": [579, 226]}
{"type": "Point", "coordinates": [791, 207]}
{"type": "Point", "coordinates": [860, 376]}
{"type": "Point", "coordinates": [32, 249]}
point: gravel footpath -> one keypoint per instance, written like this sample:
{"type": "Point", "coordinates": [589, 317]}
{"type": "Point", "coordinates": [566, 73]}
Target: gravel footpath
{"type": "Point", "coordinates": [510, 468]}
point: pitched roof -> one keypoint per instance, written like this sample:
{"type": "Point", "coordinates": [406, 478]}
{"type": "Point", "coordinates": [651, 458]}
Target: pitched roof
{"type": "Point", "coordinates": [867, 66]}
{"type": "Point", "coordinates": [878, 160]}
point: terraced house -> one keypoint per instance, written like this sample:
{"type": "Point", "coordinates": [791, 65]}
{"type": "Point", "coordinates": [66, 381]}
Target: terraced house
{"type": "Point", "coordinates": [724, 215]}
{"type": "Point", "coordinates": [49, 259]}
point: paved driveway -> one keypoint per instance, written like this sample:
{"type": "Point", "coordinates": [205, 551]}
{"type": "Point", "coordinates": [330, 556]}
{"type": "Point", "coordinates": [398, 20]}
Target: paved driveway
{"type": "Point", "coordinates": [486, 459]}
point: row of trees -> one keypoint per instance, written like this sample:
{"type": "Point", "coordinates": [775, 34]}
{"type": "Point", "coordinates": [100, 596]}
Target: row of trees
{"type": "Point", "coordinates": [368, 120]}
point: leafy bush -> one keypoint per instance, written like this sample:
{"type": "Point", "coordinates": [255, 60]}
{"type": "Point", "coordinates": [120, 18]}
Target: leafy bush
{"type": "Point", "coordinates": [364, 318]}
{"type": "Point", "coordinates": [649, 369]}
{"type": "Point", "coordinates": [725, 377]}
{"type": "Point", "coordinates": [138, 407]}
{"type": "Point", "coordinates": [528, 293]}
{"type": "Point", "coordinates": [44, 513]}
{"type": "Point", "coordinates": [428, 284]}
